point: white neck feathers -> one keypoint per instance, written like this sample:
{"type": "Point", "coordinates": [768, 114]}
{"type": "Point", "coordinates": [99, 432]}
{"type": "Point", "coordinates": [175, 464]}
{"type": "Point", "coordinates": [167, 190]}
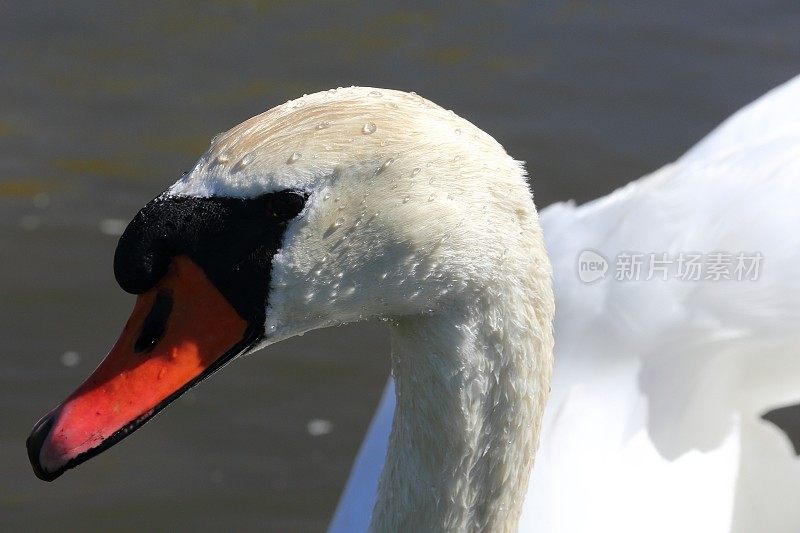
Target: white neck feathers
{"type": "Point", "coordinates": [472, 380]}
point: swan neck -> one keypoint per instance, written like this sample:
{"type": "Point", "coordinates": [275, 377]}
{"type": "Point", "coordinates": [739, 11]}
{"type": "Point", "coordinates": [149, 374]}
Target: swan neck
{"type": "Point", "coordinates": [471, 384]}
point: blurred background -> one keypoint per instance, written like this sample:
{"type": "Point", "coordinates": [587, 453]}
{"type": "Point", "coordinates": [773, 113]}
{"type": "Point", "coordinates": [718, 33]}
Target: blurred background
{"type": "Point", "coordinates": [103, 105]}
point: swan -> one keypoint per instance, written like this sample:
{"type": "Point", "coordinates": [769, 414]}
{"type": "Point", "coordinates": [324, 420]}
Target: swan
{"type": "Point", "coordinates": [363, 203]}
{"type": "Point", "coordinates": [341, 206]}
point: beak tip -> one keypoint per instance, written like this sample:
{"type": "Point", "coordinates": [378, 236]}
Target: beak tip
{"type": "Point", "coordinates": [36, 441]}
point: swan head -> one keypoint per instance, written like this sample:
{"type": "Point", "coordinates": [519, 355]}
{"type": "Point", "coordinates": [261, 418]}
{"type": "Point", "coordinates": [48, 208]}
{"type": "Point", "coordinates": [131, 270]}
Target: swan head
{"type": "Point", "coordinates": [339, 206]}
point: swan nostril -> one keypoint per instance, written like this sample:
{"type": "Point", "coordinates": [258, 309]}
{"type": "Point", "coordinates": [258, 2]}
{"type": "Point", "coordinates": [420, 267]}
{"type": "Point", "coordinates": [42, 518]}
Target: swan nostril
{"type": "Point", "coordinates": [155, 323]}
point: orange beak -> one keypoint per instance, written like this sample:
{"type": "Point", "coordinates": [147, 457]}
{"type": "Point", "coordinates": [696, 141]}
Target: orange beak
{"type": "Point", "coordinates": [180, 331]}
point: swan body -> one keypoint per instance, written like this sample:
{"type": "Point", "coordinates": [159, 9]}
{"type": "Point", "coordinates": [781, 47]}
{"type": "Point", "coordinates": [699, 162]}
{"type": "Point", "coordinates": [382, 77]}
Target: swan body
{"type": "Point", "coordinates": [655, 419]}
{"type": "Point", "coordinates": [341, 206]}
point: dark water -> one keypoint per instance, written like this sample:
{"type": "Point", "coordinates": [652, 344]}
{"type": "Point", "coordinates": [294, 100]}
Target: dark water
{"type": "Point", "coordinates": [103, 105]}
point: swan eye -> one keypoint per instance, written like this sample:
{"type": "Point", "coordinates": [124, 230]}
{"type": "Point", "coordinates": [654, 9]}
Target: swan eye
{"type": "Point", "coordinates": [287, 204]}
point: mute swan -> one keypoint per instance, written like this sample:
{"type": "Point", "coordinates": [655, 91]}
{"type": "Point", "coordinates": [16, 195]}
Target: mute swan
{"type": "Point", "coordinates": [360, 203]}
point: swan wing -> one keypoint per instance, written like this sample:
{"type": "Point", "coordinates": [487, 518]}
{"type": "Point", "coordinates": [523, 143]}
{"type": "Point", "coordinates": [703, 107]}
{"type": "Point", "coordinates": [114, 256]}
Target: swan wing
{"type": "Point", "coordinates": [656, 418]}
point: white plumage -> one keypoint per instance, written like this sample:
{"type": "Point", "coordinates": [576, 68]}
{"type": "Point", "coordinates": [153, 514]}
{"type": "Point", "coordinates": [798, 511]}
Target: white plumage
{"type": "Point", "coordinates": [654, 421]}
